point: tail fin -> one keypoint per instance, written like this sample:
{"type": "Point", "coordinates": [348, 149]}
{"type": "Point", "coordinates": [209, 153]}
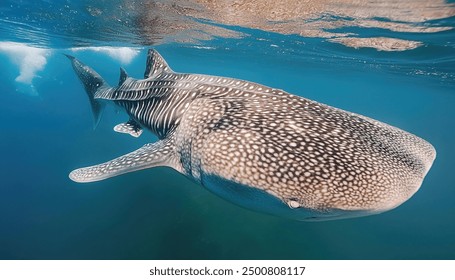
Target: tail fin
{"type": "Point", "coordinates": [92, 82]}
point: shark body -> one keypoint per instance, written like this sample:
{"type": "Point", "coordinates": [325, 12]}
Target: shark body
{"type": "Point", "coordinates": [260, 147]}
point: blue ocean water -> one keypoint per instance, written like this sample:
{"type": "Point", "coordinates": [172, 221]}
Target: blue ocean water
{"type": "Point", "coordinates": [47, 131]}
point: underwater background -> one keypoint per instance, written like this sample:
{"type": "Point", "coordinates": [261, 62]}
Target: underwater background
{"type": "Point", "coordinates": [393, 61]}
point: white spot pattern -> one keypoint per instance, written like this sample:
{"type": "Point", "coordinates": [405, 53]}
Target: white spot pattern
{"type": "Point", "coordinates": [306, 154]}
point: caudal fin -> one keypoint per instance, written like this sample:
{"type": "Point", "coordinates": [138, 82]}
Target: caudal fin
{"type": "Point", "coordinates": [92, 82]}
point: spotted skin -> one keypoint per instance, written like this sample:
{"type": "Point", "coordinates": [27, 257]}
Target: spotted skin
{"type": "Point", "coordinates": [266, 149]}
{"type": "Point", "coordinates": [130, 127]}
{"type": "Point", "coordinates": [150, 155]}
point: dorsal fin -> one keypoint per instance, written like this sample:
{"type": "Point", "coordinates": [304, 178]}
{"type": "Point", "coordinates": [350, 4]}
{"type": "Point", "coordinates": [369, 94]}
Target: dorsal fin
{"type": "Point", "coordinates": [155, 64]}
{"type": "Point", "coordinates": [123, 76]}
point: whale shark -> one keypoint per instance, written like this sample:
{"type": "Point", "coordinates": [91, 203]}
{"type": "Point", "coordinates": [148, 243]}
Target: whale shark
{"type": "Point", "coordinates": [259, 147]}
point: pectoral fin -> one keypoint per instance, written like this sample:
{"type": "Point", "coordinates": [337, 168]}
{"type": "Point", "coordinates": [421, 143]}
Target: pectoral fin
{"type": "Point", "coordinates": [160, 153]}
{"type": "Point", "coordinates": [131, 127]}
